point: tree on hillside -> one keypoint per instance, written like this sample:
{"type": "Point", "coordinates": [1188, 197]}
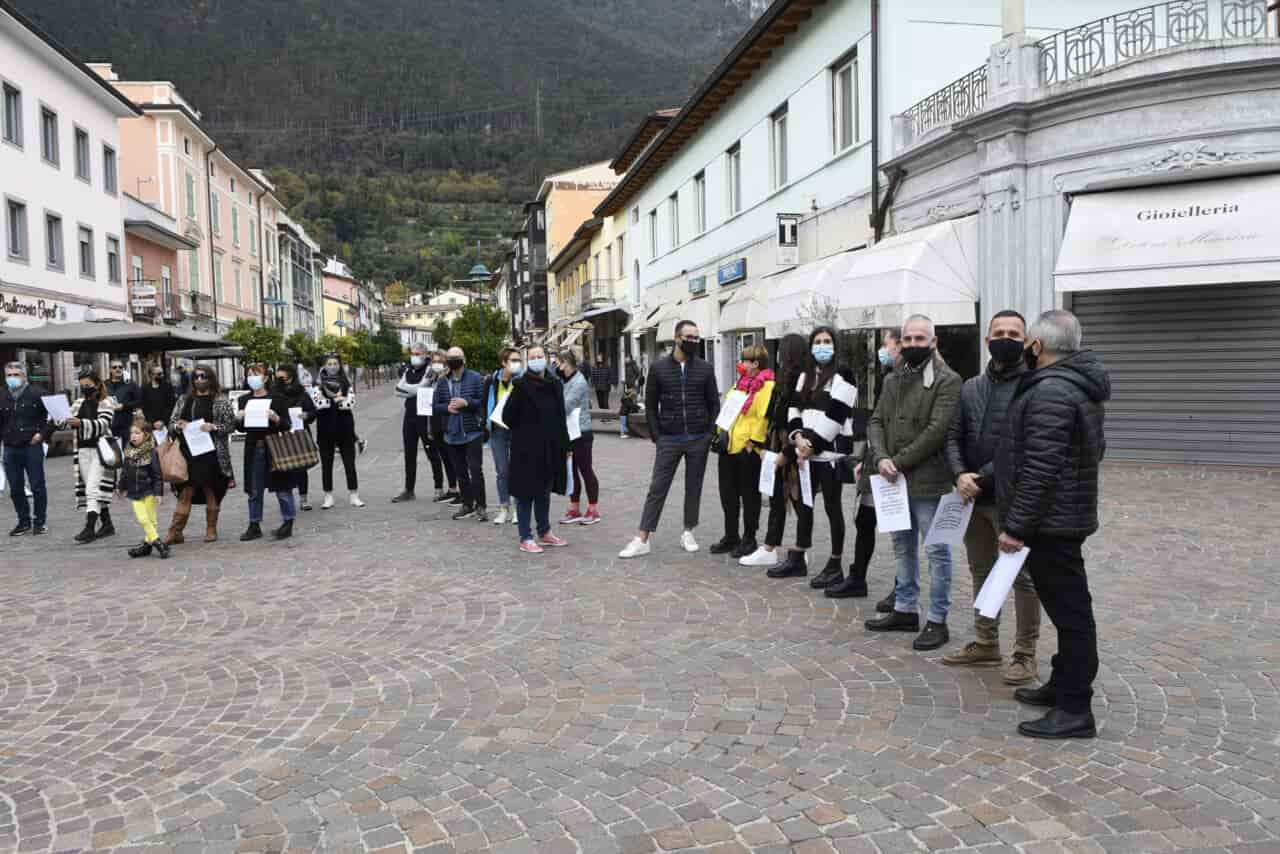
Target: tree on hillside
{"type": "Point", "coordinates": [396, 293]}
{"type": "Point", "coordinates": [260, 343]}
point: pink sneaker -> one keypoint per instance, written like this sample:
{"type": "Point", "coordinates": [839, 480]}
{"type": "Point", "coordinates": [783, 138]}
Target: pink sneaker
{"type": "Point", "coordinates": [530, 547]}
{"type": "Point", "coordinates": [591, 517]}
{"type": "Point", "coordinates": [552, 540]}
{"type": "Point", "coordinates": [571, 517]}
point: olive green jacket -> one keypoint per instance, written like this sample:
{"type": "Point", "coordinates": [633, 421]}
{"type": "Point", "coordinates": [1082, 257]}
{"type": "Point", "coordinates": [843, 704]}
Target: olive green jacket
{"type": "Point", "coordinates": [910, 423]}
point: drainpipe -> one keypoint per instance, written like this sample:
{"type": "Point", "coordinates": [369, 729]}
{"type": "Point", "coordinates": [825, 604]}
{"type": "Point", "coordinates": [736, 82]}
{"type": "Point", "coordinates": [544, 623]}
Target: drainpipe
{"type": "Point", "coordinates": [213, 263]}
{"type": "Point", "coordinates": [877, 222]}
{"type": "Point", "coordinates": [262, 257]}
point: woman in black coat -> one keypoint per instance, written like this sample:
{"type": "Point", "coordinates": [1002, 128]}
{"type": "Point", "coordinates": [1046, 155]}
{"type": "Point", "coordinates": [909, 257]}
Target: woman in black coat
{"type": "Point", "coordinates": [535, 415]}
{"type": "Point", "coordinates": [295, 396]}
{"type": "Point", "coordinates": [258, 476]}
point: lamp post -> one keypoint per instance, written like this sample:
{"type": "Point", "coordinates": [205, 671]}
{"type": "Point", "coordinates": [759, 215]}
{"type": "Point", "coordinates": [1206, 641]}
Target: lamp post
{"type": "Point", "coordinates": [478, 277]}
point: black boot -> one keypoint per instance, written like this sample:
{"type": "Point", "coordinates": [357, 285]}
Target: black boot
{"type": "Point", "coordinates": [724, 545]}
{"type": "Point", "coordinates": [853, 587]}
{"type": "Point", "coordinates": [161, 549]}
{"type": "Point", "coordinates": [253, 532]}
{"type": "Point", "coordinates": [140, 550]}
{"type": "Point", "coordinates": [885, 605]}
{"type": "Point", "coordinates": [934, 636]}
{"type": "Point", "coordinates": [406, 495]}
{"type": "Point", "coordinates": [794, 566]}
{"type": "Point", "coordinates": [105, 528]}
{"type": "Point", "coordinates": [285, 531]}
{"type": "Point", "coordinates": [831, 575]}
{"type": "Point", "coordinates": [90, 524]}
{"type": "Point", "coordinates": [1045, 695]}
{"type": "Point", "coordinates": [894, 621]}
{"type": "Point", "coordinates": [744, 548]}
{"type": "Point", "coordinates": [1060, 724]}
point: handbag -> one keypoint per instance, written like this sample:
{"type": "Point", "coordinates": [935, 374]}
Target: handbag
{"type": "Point", "coordinates": [720, 442]}
{"type": "Point", "coordinates": [293, 450]}
{"type": "Point", "coordinates": [173, 465]}
{"type": "Point", "coordinates": [109, 453]}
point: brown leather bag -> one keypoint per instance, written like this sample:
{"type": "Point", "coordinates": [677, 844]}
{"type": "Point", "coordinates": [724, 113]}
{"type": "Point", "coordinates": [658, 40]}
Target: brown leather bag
{"type": "Point", "coordinates": [173, 465]}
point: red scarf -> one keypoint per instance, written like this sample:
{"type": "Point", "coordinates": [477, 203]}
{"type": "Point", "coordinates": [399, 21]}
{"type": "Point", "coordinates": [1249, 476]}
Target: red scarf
{"type": "Point", "coordinates": [751, 385]}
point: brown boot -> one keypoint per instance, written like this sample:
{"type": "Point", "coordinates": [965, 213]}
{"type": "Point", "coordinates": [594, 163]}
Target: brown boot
{"type": "Point", "coordinates": [180, 515]}
{"type": "Point", "coordinates": [211, 522]}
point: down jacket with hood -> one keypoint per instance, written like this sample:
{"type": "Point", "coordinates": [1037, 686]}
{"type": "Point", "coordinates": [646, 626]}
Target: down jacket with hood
{"type": "Point", "coordinates": [975, 427]}
{"type": "Point", "coordinates": [1051, 448]}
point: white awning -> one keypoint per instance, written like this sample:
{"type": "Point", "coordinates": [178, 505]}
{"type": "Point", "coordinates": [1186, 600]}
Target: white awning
{"type": "Point", "coordinates": [1200, 233]}
{"type": "Point", "coordinates": [791, 295]}
{"type": "Point", "coordinates": [701, 310]}
{"type": "Point", "coordinates": [931, 271]}
{"type": "Point", "coordinates": [748, 306]}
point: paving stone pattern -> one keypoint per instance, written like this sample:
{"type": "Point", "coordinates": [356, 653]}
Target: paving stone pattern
{"type": "Point", "coordinates": [390, 680]}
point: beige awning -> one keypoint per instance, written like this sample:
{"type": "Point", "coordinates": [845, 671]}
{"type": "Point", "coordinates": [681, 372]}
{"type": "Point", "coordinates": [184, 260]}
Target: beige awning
{"type": "Point", "coordinates": [795, 296]}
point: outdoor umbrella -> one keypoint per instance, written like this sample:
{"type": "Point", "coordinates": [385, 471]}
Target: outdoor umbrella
{"type": "Point", "coordinates": [107, 336]}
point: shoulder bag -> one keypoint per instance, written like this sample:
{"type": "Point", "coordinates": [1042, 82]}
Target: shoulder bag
{"type": "Point", "coordinates": [292, 450]}
{"type": "Point", "coordinates": [173, 465]}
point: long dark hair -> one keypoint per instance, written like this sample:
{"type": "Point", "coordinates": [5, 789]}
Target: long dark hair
{"type": "Point", "coordinates": [214, 388]}
{"type": "Point", "coordinates": [793, 355]}
{"type": "Point", "coordinates": [340, 377]}
{"type": "Point", "coordinates": [817, 376]}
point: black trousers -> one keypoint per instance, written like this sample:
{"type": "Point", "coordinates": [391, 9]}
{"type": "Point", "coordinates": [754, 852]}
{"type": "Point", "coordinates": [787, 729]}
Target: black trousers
{"type": "Point", "coordinates": [602, 395]}
{"type": "Point", "coordinates": [777, 524]}
{"type": "Point", "coordinates": [825, 482]}
{"type": "Point", "coordinates": [416, 430]}
{"type": "Point", "coordinates": [468, 465]}
{"type": "Point", "coordinates": [739, 492]}
{"type": "Point", "coordinates": [346, 446]}
{"type": "Point", "coordinates": [1056, 566]}
{"type": "Point", "coordinates": [864, 544]}
{"type": "Point", "coordinates": [666, 460]}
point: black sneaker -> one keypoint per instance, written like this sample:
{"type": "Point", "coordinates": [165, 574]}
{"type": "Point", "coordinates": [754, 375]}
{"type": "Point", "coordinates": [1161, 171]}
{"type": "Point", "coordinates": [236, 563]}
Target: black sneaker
{"type": "Point", "coordinates": [443, 496]}
{"type": "Point", "coordinates": [20, 530]}
{"type": "Point", "coordinates": [746, 547]}
{"type": "Point", "coordinates": [466, 512]}
{"type": "Point", "coordinates": [832, 574]}
{"type": "Point", "coordinates": [253, 532]}
{"type": "Point", "coordinates": [894, 621]}
{"type": "Point", "coordinates": [934, 636]}
{"type": "Point", "coordinates": [306, 505]}
{"type": "Point", "coordinates": [725, 545]}
{"type": "Point", "coordinates": [794, 566]}
{"type": "Point", "coordinates": [40, 529]}
{"type": "Point", "coordinates": [885, 605]}
{"type": "Point", "coordinates": [455, 500]}
{"type": "Point", "coordinates": [407, 495]}
{"type": "Point", "coordinates": [481, 514]}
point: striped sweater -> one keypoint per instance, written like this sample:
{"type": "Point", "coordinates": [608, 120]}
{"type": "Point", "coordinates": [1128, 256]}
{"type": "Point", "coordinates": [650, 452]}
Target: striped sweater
{"type": "Point", "coordinates": [824, 416]}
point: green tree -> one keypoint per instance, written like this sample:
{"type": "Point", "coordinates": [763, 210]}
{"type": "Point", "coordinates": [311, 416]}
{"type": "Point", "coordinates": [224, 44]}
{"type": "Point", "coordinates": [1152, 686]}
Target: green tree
{"type": "Point", "coordinates": [480, 330]}
{"type": "Point", "coordinates": [304, 349]}
{"type": "Point", "coordinates": [343, 345]}
{"type": "Point", "coordinates": [260, 343]}
{"type": "Point", "coordinates": [388, 348]}
{"type": "Point", "coordinates": [443, 334]}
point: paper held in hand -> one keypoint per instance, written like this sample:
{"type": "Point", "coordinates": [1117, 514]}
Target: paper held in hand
{"type": "Point", "coordinates": [160, 436]}
{"type": "Point", "coordinates": [729, 411]}
{"type": "Point", "coordinates": [198, 441]}
{"type": "Point", "coordinates": [806, 483]}
{"type": "Point", "coordinates": [255, 412]}
{"type": "Point", "coordinates": [295, 419]}
{"type": "Point", "coordinates": [893, 512]}
{"type": "Point", "coordinates": [498, 411]}
{"type": "Point", "coordinates": [574, 424]}
{"type": "Point", "coordinates": [426, 397]}
{"type": "Point", "coordinates": [950, 521]}
{"type": "Point", "coordinates": [767, 472]}
{"type": "Point", "coordinates": [57, 407]}
{"type": "Point", "coordinates": [990, 598]}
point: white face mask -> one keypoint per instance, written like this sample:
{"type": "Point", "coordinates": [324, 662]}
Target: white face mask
{"type": "Point", "coordinates": [438, 367]}
{"type": "Point", "coordinates": [417, 361]}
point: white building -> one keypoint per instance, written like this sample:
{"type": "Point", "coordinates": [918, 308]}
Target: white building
{"type": "Point", "coordinates": [63, 248]}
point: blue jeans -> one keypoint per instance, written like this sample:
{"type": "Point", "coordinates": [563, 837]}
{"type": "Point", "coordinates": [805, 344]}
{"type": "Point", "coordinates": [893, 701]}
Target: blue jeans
{"type": "Point", "coordinates": [258, 486]}
{"type": "Point", "coordinates": [527, 507]}
{"type": "Point", "coordinates": [23, 465]}
{"type": "Point", "coordinates": [906, 548]}
{"type": "Point", "coordinates": [500, 444]}
{"type": "Point", "coordinates": [623, 420]}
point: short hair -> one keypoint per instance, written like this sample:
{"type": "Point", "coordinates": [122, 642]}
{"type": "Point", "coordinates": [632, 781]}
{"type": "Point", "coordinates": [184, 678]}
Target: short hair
{"type": "Point", "coordinates": [682, 324]}
{"type": "Point", "coordinates": [894, 334]}
{"type": "Point", "coordinates": [1008, 312]}
{"type": "Point", "coordinates": [533, 347]}
{"type": "Point", "coordinates": [570, 358]}
{"type": "Point", "coordinates": [439, 354]}
{"type": "Point", "coordinates": [20, 367]}
{"type": "Point", "coordinates": [504, 354]}
{"type": "Point", "coordinates": [756, 353]}
{"type": "Point", "coordinates": [1058, 331]}
{"type": "Point", "coordinates": [920, 318]}
{"type": "Point", "coordinates": [417, 345]}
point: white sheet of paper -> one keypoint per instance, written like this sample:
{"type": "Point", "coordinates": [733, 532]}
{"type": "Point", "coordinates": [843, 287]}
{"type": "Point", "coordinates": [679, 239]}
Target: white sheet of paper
{"type": "Point", "coordinates": [950, 521]}
{"type": "Point", "coordinates": [499, 410]}
{"type": "Point", "coordinates": [57, 406]}
{"type": "Point", "coordinates": [893, 513]}
{"type": "Point", "coordinates": [806, 484]}
{"type": "Point", "coordinates": [2, 480]}
{"type": "Point", "coordinates": [199, 442]}
{"type": "Point", "coordinates": [160, 436]}
{"type": "Point", "coordinates": [574, 424]}
{"type": "Point", "coordinates": [731, 409]}
{"type": "Point", "coordinates": [426, 398]}
{"type": "Point", "coordinates": [255, 412]}
{"type": "Point", "coordinates": [296, 420]}
{"type": "Point", "coordinates": [990, 598]}
{"type": "Point", "coordinates": [767, 472]}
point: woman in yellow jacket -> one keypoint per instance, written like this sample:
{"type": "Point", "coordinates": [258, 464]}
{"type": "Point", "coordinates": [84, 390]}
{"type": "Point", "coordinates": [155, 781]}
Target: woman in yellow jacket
{"type": "Point", "coordinates": [740, 464]}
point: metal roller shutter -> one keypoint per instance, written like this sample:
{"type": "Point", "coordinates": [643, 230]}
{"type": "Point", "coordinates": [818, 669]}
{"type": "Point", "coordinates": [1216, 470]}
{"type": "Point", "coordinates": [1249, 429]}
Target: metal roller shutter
{"type": "Point", "coordinates": [1195, 371]}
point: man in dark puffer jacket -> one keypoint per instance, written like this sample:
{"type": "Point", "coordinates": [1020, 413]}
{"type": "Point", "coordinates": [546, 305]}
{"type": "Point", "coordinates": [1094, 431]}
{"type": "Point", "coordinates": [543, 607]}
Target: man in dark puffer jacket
{"type": "Point", "coordinates": [1046, 472]}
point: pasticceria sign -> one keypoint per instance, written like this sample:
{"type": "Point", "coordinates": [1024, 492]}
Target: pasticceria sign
{"type": "Point", "coordinates": [37, 308]}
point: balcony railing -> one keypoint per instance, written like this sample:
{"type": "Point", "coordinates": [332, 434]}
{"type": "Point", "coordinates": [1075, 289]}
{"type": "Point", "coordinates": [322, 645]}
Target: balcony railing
{"type": "Point", "coordinates": [169, 306]}
{"type": "Point", "coordinates": [599, 292]}
{"type": "Point", "coordinates": [201, 305]}
{"type": "Point", "coordinates": [952, 102]}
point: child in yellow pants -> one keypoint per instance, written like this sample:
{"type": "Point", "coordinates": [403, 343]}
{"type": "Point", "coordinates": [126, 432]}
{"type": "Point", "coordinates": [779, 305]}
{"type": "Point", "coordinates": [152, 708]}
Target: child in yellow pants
{"type": "Point", "coordinates": [140, 480]}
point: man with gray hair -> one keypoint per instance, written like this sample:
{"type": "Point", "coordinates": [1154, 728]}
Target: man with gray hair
{"type": "Point", "coordinates": [1046, 473]}
{"type": "Point", "coordinates": [24, 427]}
{"type": "Point", "coordinates": [415, 429]}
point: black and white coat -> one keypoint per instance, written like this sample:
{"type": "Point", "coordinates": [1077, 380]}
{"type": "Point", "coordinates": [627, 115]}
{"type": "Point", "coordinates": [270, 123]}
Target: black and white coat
{"type": "Point", "coordinates": [95, 483]}
{"type": "Point", "coordinates": [824, 416]}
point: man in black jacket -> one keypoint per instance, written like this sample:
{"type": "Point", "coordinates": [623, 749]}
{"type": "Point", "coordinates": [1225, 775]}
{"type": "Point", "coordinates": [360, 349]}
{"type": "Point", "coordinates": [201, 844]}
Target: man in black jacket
{"type": "Point", "coordinates": [681, 404]}
{"type": "Point", "coordinates": [1046, 474]}
{"type": "Point", "coordinates": [971, 451]}
{"type": "Point", "coordinates": [121, 386]}
{"type": "Point", "coordinates": [24, 428]}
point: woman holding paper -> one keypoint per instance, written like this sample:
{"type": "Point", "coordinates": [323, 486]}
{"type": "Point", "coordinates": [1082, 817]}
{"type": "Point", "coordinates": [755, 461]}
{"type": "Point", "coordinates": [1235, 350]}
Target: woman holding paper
{"type": "Point", "coordinates": [335, 401]}
{"type": "Point", "coordinates": [210, 416]}
{"type": "Point", "coordinates": [288, 388]}
{"type": "Point", "coordinates": [577, 398]}
{"type": "Point", "coordinates": [739, 466]}
{"type": "Point", "coordinates": [500, 386]}
{"type": "Point", "coordinates": [92, 416]}
{"type": "Point", "coordinates": [261, 413]}
{"type": "Point", "coordinates": [535, 414]}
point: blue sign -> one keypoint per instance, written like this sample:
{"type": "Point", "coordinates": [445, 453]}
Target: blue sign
{"type": "Point", "coordinates": [734, 271]}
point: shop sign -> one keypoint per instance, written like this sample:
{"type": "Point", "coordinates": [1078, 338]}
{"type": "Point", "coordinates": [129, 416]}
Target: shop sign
{"type": "Point", "coordinates": [37, 309]}
{"type": "Point", "coordinates": [789, 239]}
{"type": "Point", "coordinates": [733, 271]}
{"type": "Point", "coordinates": [142, 303]}
{"type": "Point", "coordinates": [144, 290]}
{"type": "Point", "coordinates": [698, 285]}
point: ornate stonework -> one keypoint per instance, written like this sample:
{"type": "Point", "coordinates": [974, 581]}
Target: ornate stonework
{"type": "Point", "coordinates": [1191, 155]}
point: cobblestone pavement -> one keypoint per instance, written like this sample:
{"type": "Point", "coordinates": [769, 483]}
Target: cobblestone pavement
{"type": "Point", "coordinates": [392, 680]}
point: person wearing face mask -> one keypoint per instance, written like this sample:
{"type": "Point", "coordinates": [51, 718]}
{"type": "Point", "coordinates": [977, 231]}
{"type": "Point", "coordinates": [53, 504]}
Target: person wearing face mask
{"type": "Point", "coordinates": [209, 475]}
{"type": "Point", "coordinates": [907, 432]}
{"type": "Point", "coordinates": [535, 414]}
{"type": "Point", "coordinates": [93, 415]}
{"type": "Point", "coordinates": [441, 462]}
{"type": "Point", "coordinates": [415, 429]}
{"type": "Point", "coordinates": [157, 399]}
{"type": "Point", "coordinates": [462, 408]}
{"type": "Point", "coordinates": [577, 396]}
{"type": "Point", "coordinates": [258, 476]}
{"type": "Point", "coordinates": [335, 401]}
{"type": "Point", "coordinates": [499, 386]}
{"type": "Point", "coordinates": [865, 520]}
{"type": "Point", "coordinates": [128, 398]}
{"type": "Point", "coordinates": [971, 451]}
{"type": "Point", "coordinates": [739, 465]}
{"type": "Point", "coordinates": [1046, 484]}
{"type": "Point", "coordinates": [681, 403]}
{"type": "Point", "coordinates": [295, 395]}
{"type": "Point", "coordinates": [24, 427]}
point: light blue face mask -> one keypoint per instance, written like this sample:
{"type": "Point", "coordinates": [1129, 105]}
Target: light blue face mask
{"type": "Point", "coordinates": [823, 353]}
{"type": "Point", "coordinates": [14, 383]}
{"type": "Point", "coordinates": [537, 365]}
{"type": "Point", "coordinates": [885, 358]}
{"type": "Point", "coordinates": [417, 361]}
{"type": "Point", "coordinates": [255, 382]}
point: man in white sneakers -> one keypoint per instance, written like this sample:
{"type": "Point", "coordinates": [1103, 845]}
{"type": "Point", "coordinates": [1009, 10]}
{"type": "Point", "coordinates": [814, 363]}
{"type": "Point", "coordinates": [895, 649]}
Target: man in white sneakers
{"type": "Point", "coordinates": [681, 403]}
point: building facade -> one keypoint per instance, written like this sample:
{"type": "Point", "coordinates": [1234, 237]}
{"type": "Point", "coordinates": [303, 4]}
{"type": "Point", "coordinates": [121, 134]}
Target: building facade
{"type": "Point", "coordinates": [155, 251]}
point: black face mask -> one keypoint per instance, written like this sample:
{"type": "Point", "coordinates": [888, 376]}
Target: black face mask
{"type": "Point", "coordinates": [1005, 351]}
{"type": "Point", "coordinates": [1031, 358]}
{"type": "Point", "coordinates": [689, 348]}
{"type": "Point", "coordinates": [88, 393]}
{"type": "Point", "coordinates": [916, 356]}
{"type": "Point", "coordinates": [455, 364]}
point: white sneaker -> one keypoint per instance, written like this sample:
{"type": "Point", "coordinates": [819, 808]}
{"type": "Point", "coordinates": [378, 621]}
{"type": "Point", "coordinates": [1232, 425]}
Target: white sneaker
{"type": "Point", "coordinates": [636, 548]}
{"type": "Point", "coordinates": [355, 500]}
{"type": "Point", "coordinates": [501, 517]}
{"type": "Point", "coordinates": [688, 542]}
{"type": "Point", "coordinates": [328, 501]}
{"type": "Point", "coordinates": [513, 518]}
{"type": "Point", "coordinates": [760, 557]}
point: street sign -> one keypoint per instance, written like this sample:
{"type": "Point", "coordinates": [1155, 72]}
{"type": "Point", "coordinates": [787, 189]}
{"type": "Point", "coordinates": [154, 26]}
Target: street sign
{"type": "Point", "coordinates": [144, 290]}
{"type": "Point", "coordinates": [144, 302]}
{"type": "Point", "coordinates": [789, 239]}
